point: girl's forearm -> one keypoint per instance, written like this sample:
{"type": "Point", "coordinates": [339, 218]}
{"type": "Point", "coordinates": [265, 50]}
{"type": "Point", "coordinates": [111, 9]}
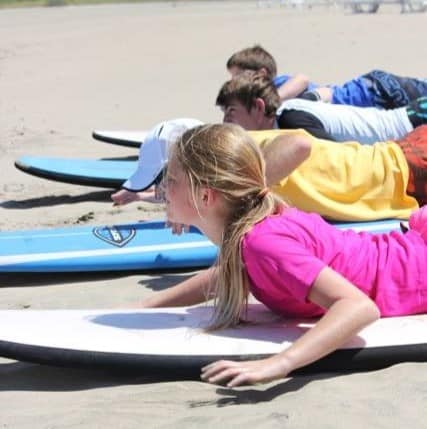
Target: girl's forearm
{"type": "Point", "coordinates": [344, 319]}
{"type": "Point", "coordinates": [189, 292]}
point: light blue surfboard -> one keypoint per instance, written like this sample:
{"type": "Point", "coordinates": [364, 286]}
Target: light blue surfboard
{"type": "Point", "coordinates": [135, 246]}
{"type": "Point", "coordinates": [88, 172]}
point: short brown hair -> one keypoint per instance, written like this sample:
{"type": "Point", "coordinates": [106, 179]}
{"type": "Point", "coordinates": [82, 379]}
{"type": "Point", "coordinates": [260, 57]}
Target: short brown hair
{"type": "Point", "coordinates": [254, 58]}
{"type": "Point", "coordinates": [246, 88]}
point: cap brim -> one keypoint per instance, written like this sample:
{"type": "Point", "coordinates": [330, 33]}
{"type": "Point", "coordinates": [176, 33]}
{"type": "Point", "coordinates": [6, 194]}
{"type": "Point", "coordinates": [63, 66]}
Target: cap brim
{"type": "Point", "coordinates": [149, 172]}
{"type": "Point", "coordinates": [154, 152]}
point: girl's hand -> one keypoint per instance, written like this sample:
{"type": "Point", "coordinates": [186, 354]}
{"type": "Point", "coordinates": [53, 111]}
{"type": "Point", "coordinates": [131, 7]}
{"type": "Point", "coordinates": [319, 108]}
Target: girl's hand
{"type": "Point", "coordinates": [348, 310]}
{"type": "Point", "coordinates": [178, 228]}
{"type": "Point", "coordinates": [246, 372]}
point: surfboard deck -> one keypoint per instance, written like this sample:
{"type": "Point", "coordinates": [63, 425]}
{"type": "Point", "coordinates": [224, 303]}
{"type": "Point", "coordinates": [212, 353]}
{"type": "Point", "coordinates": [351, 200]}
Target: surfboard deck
{"type": "Point", "coordinates": [134, 246]}
{"type": "Point", "coordinates": [86, 172]}
{"type": "Point", "coordinates": [171, 341]}
{"type": "Point", "coordinates": [130, 246]}
{"type": "Point", "coordinates": [122, 138]}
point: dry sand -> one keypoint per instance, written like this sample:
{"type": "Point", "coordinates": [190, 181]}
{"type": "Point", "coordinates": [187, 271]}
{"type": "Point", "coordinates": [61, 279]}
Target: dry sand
{"type": "Point", "coordinates": [66, 71]}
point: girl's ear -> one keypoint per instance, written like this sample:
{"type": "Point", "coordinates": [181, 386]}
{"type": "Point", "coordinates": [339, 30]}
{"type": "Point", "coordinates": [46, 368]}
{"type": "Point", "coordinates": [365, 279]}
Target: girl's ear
{"type": "Point", "coordinates": [208, 197]}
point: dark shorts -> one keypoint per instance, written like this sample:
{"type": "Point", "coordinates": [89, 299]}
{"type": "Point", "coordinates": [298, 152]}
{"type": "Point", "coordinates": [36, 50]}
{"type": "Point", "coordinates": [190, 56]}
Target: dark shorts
{"type": "Point", "coordinates": [414, 147]}
{"type": "Point", "coordinates": [417, 111]}
{"type": "Point", "coordinates": [390, 91]}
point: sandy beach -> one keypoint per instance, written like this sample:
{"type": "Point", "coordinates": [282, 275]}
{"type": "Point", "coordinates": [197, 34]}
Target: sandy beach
{"type": "Point", "coordinates": [67, 71]}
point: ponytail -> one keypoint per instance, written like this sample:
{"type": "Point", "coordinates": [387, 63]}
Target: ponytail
{"type": "Point", "coordinates": [224, 157]}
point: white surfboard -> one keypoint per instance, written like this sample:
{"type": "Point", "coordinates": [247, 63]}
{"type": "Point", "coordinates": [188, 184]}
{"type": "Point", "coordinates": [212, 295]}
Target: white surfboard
{"type": "Point", "coordinates": [173, 340]}
{"type": "Point", "coordinates": [122, 138]}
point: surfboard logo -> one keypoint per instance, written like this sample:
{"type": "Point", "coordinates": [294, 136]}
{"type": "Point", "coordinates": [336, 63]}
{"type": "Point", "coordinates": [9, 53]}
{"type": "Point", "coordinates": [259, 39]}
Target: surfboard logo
{"type": "Point", "coordinates": [115, 235]}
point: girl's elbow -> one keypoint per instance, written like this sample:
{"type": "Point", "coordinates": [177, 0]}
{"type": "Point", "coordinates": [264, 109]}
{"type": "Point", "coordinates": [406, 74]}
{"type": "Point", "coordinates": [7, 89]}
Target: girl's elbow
{"type": "Point", "coordinates": [377, 313]}
{"type": "Point", "coordinates": [371, 310]}
{"type": "Point", "coordinates": [303, 147]}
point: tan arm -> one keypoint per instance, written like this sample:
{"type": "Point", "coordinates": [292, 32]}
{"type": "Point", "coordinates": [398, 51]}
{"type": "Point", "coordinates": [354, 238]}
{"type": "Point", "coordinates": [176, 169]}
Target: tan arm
{"type": "Point", "coordinates": [293, 87]}
{"type": "Point", "coordinates": [325, 93]}
{"type": "Point", "coordinates": [348, 311]}
{"type": "Point", "coordinates": [193, 291]}
{"type": "Point", "coordinates": [284, 154]}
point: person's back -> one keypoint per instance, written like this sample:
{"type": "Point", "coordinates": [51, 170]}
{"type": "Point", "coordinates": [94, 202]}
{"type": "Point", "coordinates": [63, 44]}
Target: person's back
{"type": "Point", "coordinates": [295, 246]}
{"type": "Point", "coordinates": [346, 181]}
{"type": "Point", "coordinates": [251, 101]}
{"type": "Point", "coordinates": [344, 123]}
{"type": "Point", "coordinates": [377, 88]}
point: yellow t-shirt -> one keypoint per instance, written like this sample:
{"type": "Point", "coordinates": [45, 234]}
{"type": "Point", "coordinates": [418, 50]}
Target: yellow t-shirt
{"type": "Point", "coordinates": [347, 181]}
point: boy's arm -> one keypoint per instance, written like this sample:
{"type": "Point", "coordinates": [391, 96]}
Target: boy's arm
{"type": "Point", "coordinates": [195, 290]}
{"type": "Point", "coordinates": [325, 94]}
{"type": "Point", "coordinates": [284, 154]}
{"type": "Point", "coordinates": [292, 119]}
{"type": "Point", "coordinates": [293, 87]}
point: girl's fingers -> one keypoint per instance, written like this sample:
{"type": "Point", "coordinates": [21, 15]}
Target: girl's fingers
{"type": "Point", "coordinates": [242, 372]}
{"type": "Point", "coordinates": [213, 368]}
{"type": "Point", "coordinates": [243, 378]}
{"type": "Point", "coordinates": [224, 375]}
{"type": "Point", "coordinates": [225, 370]}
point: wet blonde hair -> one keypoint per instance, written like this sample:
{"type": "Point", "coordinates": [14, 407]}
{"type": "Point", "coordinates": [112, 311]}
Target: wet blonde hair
{"type": "Point", "coordinates": [225, 158]}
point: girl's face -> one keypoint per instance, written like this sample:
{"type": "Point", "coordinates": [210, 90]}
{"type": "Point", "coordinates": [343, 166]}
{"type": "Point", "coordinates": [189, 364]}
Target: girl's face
{"type": "Point", "coordinates": [180, 207]}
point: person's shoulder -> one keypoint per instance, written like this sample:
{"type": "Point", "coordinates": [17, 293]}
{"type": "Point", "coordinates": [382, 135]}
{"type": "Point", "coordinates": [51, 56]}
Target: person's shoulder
{"type": "Point", "coordinates": [293, 103]}
{"type": "Point", "coordinates": [271, 225]}
{"type": "Point", "coordinates": [261, 135]}
{"type": "Point", "coordinates": [291, 225]}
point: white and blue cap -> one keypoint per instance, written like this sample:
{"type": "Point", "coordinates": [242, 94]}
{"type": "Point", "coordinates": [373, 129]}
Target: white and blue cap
{"type": "Point", "coordinates": [153, 154]}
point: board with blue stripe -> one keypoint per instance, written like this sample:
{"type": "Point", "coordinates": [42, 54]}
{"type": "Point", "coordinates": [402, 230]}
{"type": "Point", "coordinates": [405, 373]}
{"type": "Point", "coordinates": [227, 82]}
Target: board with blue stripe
{"type": "Point", "coordinates": [134, 246]}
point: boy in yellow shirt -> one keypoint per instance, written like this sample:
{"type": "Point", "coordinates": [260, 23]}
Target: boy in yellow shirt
{"type": "Point", "coordinates": [341, 181]}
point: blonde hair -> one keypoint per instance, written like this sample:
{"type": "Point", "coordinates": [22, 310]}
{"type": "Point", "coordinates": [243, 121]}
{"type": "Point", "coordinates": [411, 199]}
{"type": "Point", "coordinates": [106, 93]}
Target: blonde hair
{"type": "Point", "coordinates": [225, 158]}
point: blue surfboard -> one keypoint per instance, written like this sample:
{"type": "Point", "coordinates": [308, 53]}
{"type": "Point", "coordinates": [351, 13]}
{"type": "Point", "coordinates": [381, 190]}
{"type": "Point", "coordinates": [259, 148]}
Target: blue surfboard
{"type": "Point", "coordinates": [122, 138]}
{"type": "Point", "coordinates": [135, 246]}
{"type": "Point", "coordinates": [88, 172]}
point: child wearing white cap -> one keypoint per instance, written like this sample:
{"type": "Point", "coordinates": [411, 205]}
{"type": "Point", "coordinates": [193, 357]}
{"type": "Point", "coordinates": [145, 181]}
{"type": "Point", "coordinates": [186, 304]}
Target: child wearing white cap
{"type": "Point", "coordinates": [152, 159]}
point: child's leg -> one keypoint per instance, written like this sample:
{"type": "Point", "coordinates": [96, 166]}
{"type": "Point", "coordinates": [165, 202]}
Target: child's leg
{"type": "Point", "coordinates": [418, 221]}
{"type": "Point", "coordinates": [414, 147]}
{"type": "Point", "coordinates": [417, 112]}
{"type": "Point", "coordinates": [393, 91]}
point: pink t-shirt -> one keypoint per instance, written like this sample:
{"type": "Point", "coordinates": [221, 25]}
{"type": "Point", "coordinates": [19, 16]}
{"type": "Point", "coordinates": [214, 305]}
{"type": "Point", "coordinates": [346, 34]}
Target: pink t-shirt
{"type": "Point", "coordinates": [285, 253]}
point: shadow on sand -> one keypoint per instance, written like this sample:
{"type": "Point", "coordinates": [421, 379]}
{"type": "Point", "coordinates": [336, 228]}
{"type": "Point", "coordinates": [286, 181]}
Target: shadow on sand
{"type": "Point", "coordinates": [155, 280]}
{"type": "Point", "coordinates": [53, 200]}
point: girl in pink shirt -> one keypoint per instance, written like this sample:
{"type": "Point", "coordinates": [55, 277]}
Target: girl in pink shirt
{"type": "Point", "coordinates": [294, 262]}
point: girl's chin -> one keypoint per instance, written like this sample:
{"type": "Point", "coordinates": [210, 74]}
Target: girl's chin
{"type": "Point", "coordinates": [171, 219]}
